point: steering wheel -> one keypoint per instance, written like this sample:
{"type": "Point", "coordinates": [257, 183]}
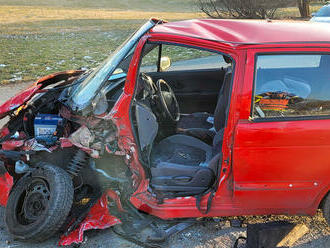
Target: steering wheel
{"type": "Point", "coordinates": [168, 100]}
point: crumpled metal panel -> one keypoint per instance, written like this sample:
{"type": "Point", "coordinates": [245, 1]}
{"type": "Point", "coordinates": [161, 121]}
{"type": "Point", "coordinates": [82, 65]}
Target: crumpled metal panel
{"type": "Point", "coordinates": [6, 182]}
{"type": "Point", "coordinates": [99, 217]}
{"type": "Point", "coordinates": [22, 97]}
{"type": "Point", "coordinates": [237, 32]}
{"type": "Point", "coordinates": [18, 100]}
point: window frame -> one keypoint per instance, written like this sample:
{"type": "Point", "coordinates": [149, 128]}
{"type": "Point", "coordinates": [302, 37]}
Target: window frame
{"type": "Point", "coordinates": [160, 43]}
{"type": "Point", "coordinates": [286, 118]}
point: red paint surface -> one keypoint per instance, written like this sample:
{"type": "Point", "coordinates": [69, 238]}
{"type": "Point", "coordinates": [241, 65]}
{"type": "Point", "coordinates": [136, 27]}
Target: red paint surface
{"type": "Point", "coordinates": [263, 170]}
{"type": "Point", "coordinates": [25, 95]}
{"type": "Point", "coordinates": [268, 167]}
{"type": "Point", "coordinates": [240, 32]}
{"type": "Point", "coordinates": [6, 182]}
{"type": "Point", "coordinates": [12, 144]}
{"type": "Point", "coordinates": [99, 217]}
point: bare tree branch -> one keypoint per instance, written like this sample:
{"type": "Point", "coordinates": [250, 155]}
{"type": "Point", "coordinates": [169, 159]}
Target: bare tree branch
{"type": "Point", "coordinates": [253, 9]}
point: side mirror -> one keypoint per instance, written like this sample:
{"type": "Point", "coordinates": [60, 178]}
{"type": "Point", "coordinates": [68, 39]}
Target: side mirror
{"type": "Point", "coordinates": [165, 63]}
{"type": "Point", "coordinates": [117, 71]}
{"type": "Point", "coordinates": [313, 14]}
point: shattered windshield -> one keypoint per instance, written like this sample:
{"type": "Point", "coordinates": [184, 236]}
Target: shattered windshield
{"type": "Point", "coordinates": [85, 92]}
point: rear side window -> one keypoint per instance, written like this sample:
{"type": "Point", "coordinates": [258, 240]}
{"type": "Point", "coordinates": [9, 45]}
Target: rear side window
{"type": "Point", "coordinates": [292, 85]}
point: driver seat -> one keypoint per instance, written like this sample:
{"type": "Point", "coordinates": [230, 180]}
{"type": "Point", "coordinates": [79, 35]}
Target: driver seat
{"type": "Point", "coordinates": [182, 165]}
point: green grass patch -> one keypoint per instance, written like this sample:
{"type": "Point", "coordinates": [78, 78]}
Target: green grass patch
{"type": "Point", "coordinates": [28, 54]}
{"type": "Point", "coordinates": [141, 5]}
{"type": "Point", "coordinates": [39, 37]}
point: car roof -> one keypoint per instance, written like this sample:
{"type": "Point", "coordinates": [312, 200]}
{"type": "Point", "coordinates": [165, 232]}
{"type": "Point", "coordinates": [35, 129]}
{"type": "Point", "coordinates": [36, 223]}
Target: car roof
{"type": "Point", "coordinates": [240, 32]}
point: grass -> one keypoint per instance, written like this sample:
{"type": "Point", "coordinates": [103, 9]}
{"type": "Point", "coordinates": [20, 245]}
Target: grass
{"type": "Point", "coordinates": [38, 37]}
{"type": "Point", "coordinates": [41, 37]}
{"type": "Point", "coordinates": [135, 5]}
{"type": "Point", "coordinates": [293, 12]}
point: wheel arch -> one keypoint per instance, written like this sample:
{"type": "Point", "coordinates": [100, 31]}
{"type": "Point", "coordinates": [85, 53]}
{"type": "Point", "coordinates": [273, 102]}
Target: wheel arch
{"type": "Point", "coordinates": [322, 196]}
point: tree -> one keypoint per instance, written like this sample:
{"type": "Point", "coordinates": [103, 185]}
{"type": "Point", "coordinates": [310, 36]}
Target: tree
{"type": "Point", "coordinates": [249, 9]}
{"type": "Point", "coordinates": [304, 9]}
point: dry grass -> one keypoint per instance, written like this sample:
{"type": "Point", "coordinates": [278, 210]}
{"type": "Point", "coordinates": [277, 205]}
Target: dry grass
{"type": "Point", "coordinates": [139, 5]}
{"type": "Point", "coordinates": [23, 14]}
{"type": "Point", "coordinates": [38, 37]}
{"type": "Point", "coordinates": [293, 12]}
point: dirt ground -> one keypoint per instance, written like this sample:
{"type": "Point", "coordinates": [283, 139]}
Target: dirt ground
{"type": "Point", "coordinates": [216, 233]}
{"type": "Point", "coordinates": [212, 234]}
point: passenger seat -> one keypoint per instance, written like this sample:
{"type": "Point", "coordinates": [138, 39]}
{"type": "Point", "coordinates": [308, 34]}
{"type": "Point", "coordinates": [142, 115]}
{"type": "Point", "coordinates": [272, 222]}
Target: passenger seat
{"type": "Point", "coordinates": [203, 125]}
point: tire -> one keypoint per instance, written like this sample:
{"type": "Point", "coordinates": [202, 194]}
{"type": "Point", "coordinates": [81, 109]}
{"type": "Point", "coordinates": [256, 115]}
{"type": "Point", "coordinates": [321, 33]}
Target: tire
{"type": "Point", "coordinates": [326, 209]}
{"type": "Point", "coordinates": [39, 203]}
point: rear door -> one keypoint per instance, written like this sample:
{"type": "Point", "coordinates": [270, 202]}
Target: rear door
{"type": "Point", "coordinates": [282, 141]}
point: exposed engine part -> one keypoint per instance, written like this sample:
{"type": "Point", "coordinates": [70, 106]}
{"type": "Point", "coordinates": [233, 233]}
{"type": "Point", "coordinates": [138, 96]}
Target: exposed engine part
{"type": "Point", "coordinates": [82, 136]}
{"type": "Point", "coordinates": [15, 155]}
{"type": "Point", "coordinates": [15, 135]}
{"type": "Point", "coordinates": [33, 145]}
{"type": "Point", "coordinates": [45, 126]}
{"type": "Point", "coordinates": [21, 167]}
{"type": "Point", "coordinates": [81, 212]}
{"type": "Point", "coordinates": [78, 161]}
{"type": "Point", "coordinates": [112, 179]}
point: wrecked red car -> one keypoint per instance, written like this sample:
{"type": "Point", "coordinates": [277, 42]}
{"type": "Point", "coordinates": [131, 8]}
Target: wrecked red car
{"type": "Point", "coordinates": [189, 119]}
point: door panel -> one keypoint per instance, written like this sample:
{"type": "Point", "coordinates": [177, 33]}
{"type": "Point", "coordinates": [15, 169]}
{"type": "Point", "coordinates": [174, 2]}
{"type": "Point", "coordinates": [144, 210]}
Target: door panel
{"type": "Point", "coordinates": [196, 90]}
{"type": "Point", "coordinates": [282, 164]}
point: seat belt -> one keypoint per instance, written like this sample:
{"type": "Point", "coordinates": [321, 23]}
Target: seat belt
{"type": "Point", "coordinates": [209, 202]}
{"type": "Point", "coordinates": [212, 190]}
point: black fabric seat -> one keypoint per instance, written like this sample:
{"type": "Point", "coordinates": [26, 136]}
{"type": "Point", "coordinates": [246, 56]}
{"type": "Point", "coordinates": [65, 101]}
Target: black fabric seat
{"type": "Point", "coordinates": [183, 165]}
{"type": "Point", "coordinates": [197, 124]}
{"type": "Point", "coordinates": [183, 150]}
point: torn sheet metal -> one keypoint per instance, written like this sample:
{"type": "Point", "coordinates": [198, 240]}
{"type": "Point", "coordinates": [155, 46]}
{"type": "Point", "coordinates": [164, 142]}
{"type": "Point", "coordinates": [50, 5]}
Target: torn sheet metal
{"type": "Point", "coordinates": [10, 145]}
{"type": "Point", "coordinates": [21, 98]}
{"type": "Point", "coordinates": [99, 217]}
{"type": "Point", "coordinates": [82, 136]}
{"type": "Point", "coordinates": [33, 145]}
{"type": "Point", "coordinates": [6, 182]}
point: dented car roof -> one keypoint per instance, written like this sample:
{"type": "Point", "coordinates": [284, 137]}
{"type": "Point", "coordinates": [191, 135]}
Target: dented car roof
{"type": "Point", "coordinates": [242, 32]}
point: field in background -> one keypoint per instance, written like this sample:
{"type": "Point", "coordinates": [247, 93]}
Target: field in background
{"type": "Point", "coordinates": [38, 37]}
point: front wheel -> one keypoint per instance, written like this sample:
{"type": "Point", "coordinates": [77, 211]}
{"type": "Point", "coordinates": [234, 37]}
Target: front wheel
{"type": "Point", "coordinates": [39, 203]}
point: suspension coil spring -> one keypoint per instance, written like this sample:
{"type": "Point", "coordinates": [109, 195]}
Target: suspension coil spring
{"type": "Point", "coordinates": [78, 161]}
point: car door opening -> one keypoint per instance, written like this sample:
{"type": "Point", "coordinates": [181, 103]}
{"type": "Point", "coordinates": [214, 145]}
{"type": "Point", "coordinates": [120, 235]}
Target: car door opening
{"type": "Point", "coordinates": [180, 135]}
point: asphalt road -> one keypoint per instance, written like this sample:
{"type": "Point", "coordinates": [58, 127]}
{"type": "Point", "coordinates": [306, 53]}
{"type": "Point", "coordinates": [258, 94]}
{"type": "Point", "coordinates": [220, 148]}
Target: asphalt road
{"type": "Point", "coordinates": [211, 234]}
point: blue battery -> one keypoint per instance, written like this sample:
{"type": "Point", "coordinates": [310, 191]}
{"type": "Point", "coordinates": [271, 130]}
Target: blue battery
{"type": "Point", "coordinates": [45, 126]}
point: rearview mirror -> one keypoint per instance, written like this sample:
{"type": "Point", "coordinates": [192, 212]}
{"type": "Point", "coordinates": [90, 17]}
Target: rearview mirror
{"type": "Point", "coordinates": [165, 63]}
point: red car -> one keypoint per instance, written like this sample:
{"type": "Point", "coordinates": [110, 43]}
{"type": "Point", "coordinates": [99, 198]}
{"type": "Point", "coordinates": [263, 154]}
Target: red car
{"type": "Point", "coordinates": [187, 119]}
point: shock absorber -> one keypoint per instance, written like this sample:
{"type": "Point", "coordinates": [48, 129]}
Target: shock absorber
{"type": "Point", "coordinates": [77, 162]}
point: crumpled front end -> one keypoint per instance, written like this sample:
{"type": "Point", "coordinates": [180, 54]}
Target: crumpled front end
{"type": "Point", "coordinates": [43, 133]}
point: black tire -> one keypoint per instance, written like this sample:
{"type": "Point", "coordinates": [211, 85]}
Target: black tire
{"type": "Point", "coordinates": [39, 203]}
{"type": "Point", "coordinates": [326, 208]}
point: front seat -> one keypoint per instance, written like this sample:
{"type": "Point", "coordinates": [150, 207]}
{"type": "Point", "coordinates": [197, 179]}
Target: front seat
{"type": "Point", "coordinates": [183, 165]}
{"type": "Point", "coordinates": [199, 125]}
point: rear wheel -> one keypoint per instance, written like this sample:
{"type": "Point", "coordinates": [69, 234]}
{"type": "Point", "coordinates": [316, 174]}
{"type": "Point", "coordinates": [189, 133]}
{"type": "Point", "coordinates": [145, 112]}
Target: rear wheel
{"type": "Point", "coordinates": [39, 203]}
{"type": "Point", "coordinates": [326, 208]}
